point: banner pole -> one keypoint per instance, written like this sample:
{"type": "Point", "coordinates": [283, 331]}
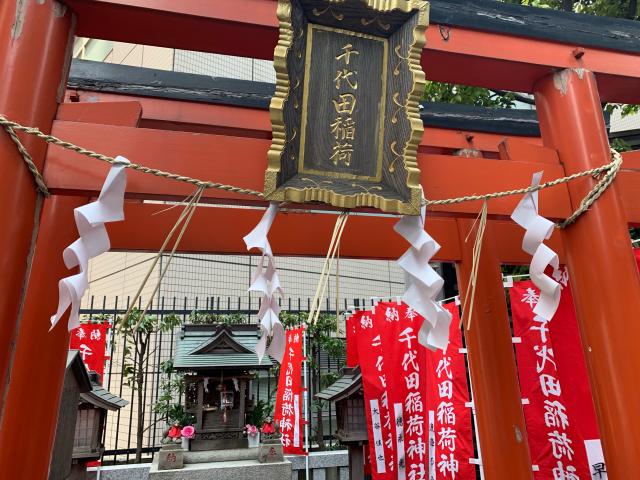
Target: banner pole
{"type": "Point", "coordinates": [475, 426]}
{"type": "Point", "coordinates": [306, 402]}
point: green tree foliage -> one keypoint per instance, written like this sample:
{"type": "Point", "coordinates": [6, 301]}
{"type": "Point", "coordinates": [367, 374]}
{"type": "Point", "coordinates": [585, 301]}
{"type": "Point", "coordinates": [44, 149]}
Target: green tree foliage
{"type": "Point", "coordinates": [172, 388]}
{"type": "Point", "coordinates": [203, 318]}
{"type": "Point", "coordinates": [482, 97]}
{"type": "Point", "coordinates": [137, 336]}
{"type": "Point", "coordinates": [606, 8]}
{"type": "Point", "coordinates": [259, 413]}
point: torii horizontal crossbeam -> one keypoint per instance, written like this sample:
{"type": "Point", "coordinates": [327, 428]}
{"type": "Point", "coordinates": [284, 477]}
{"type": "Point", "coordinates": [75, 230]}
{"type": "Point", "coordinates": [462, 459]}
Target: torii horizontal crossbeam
{"type": "Point", "coordinates": [470, 43]}
{"type": "Point", "coordinates": [241, 161]}
{"type": "Point", "coordinates": [220, 230]}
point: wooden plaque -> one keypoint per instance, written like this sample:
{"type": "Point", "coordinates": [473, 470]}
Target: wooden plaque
{"type": "Point", "coordinates": [345, 118]}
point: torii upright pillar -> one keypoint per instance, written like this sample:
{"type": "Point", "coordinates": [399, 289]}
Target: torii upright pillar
{"type": "Point", "coordinates": [492, 365]}
{"type": "Point", "coordinates": [35, 50]}
{"type": "Point", "coordinates": [604, 278]}
{"type": "Point", "coordinates": [37, 376]}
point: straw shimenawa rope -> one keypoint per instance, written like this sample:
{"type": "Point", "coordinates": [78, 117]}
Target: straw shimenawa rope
{"type": "Point", "coordinates": [610, 170]}
{"type": "Point", "coordinates": [105, 158]}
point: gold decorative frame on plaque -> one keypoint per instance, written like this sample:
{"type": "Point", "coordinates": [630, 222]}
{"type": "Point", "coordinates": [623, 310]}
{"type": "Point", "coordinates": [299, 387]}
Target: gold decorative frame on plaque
{"type": "Point", "coordinates": [335, 143]}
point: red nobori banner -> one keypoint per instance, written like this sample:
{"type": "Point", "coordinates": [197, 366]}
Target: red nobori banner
{"type": "Point", "coordinates": [90, 339]}
{"type": "Point", "coordinates": [451, 435]}
{"type": "Point", "coordinates": [636, 252]}
{"type": "Point", "coordinates": [290, 399]}
{"type": "Point", "coordinates": [374, 381]}
{"type": "Point", "coordinates": [352, 346]}
{"type": "Point", "coordinates": [405, 362]}
{"type": "Point", "coordinates": [560, 416]}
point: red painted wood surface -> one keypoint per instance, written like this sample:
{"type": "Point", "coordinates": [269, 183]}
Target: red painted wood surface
{"type": "Point", "coordinates": [492, 365]}
{"type": "Point", "coordinates": [125, 114]}
{"type": "Point", "coordinates": [604, 279]}
{"type": "Point", "coordinates": [242, 161]}
{"type": "Point", "coordinates": [37, 373]}
{"type": "Point", "coordinates": [220, 230]}
{"type": "Point", "coordinates": [30, 84]}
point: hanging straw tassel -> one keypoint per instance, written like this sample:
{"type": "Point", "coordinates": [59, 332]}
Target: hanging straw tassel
{"type": "Point", "coordinates": [183, 219]}
{"type": "Point", "coordinates": [470, 293]}
{"type": "Point", "coordinates": [321, 289]}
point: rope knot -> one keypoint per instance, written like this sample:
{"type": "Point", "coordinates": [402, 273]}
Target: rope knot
{"type": "Point", "coordinates": [26, 157]}
{"type": "Point", "coordinates": [607, 173]}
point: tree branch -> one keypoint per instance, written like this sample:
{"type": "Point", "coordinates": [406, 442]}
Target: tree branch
{"type": "Point", "coordinates": [153, 422]}
{"type": "Point", "coordinates": [517, 96]}
{"type": "Point", "coordinates": [150, 353]}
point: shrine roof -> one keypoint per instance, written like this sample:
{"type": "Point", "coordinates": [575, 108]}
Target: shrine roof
{"type": "Point", "coordinates": [217, 346]}
{"type": "Point", "coordinates": [349, 383]}
{"type": "Point", "coordinates": [101, 397]}
{"type": "Point", "coordinates": [76, 366]}
{"type": "Point", "coordinates": [91, 391]}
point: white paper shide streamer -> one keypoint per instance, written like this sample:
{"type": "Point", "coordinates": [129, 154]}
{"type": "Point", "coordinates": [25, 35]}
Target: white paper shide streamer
{"type": "Point", "coordinates": [424, 283]}
{"type": "Point", "coordinates": [539, 229]}
{"type": "Point", "coordinates": [265, 280]}
{"type": "Point", "coordinates": [93, 241]}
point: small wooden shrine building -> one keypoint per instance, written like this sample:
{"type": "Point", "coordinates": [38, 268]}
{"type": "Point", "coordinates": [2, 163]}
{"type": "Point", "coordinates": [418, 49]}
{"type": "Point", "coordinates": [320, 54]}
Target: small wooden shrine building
{"type": "Point", "coordinates": [348, 396]}
{"type": "Point", "coordinates": [220, 364]}
{"type": "Point", "coordinates": [81, 421]}
{"type": "Point", "coordinates": [90, 421]}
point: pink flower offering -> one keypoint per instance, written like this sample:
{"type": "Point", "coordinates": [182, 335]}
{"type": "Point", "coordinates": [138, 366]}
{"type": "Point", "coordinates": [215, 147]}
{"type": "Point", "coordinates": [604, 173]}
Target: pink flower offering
{"type": "Point", "coordinates": [189, 431]}
{"type": "Point", "coordinates": [252, 430]}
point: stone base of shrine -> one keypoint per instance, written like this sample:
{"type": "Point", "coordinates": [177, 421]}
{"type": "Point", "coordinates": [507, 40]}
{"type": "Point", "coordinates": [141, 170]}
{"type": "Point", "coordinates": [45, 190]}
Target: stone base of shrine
{"type": "Point", "coordinates": [238, 464]}
{"type": "Point", "coordinates": [199, 445]}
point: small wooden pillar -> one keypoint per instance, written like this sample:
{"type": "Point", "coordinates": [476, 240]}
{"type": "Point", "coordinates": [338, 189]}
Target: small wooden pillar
{"type": "Point", "coordinates": [496, 391]}
{"type": "Point", "coordinates": [604, 278]}
{"type": "Point", "coordinates": [200, 386]}
{"type": "Point", "coordinates": [351, 424]}
{"type": "Point", "coordinates": [356, 461]}
{"type": "Point", "coordinates": [242, 406]}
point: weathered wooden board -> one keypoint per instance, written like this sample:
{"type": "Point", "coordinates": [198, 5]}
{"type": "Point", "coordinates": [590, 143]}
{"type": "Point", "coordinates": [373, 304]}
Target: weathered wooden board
{"type": "Point", "coordinates": [345, 116]}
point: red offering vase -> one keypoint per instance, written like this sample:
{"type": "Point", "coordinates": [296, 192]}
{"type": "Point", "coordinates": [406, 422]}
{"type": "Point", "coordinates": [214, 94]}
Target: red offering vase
{"type": "Point", "coordinates": [175, 432]}
{"type": "Point", "coordinates": [268, 428]}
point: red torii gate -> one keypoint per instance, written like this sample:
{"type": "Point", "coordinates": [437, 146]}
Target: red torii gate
{"type": "Point", "coordinates": [34, 58]}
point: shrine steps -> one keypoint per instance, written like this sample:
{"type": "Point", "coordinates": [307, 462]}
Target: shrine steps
{"type": "Point", "coordinates": [237, 464]}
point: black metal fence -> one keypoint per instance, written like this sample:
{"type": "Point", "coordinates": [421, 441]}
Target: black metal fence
{"type": "Point", "coordinates": [121, 428]}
